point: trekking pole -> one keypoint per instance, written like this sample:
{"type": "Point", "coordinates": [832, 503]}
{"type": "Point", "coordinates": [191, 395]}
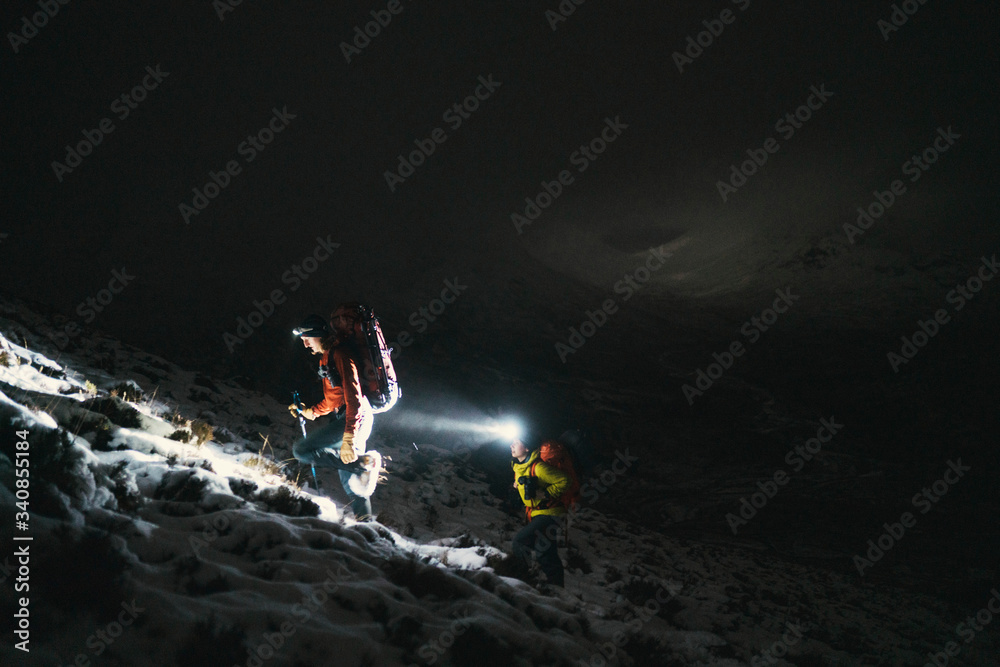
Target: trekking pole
{"type": "Point", "coordinates": [302, 422]}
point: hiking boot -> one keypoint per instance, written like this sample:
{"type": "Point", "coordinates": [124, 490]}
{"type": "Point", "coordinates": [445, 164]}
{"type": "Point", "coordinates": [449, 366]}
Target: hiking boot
{"type": "Point", "coordinates": [363, 484]}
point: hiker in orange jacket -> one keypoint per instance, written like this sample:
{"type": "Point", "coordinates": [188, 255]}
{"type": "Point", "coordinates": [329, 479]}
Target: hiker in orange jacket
{"type": "Point", "coordinates": [340, 444]}
{"type": "Point", "coordinates": [541, 487]}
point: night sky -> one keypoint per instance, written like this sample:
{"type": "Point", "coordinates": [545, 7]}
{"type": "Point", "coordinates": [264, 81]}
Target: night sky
{"type": "Point", "coordinates": [635, 116]}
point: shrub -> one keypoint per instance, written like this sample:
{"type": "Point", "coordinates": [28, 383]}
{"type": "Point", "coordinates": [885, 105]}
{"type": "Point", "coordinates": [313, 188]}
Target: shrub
{"type": "Point", "coordinates": [101, 427]}
{"type": "Point", "coordinates": [202, 430]}
{"type": "Point", "coordinates": [244, 488]}
{"type": "Point", "coordinates": [54, 459]}
{"type": "Point", "coordinates": [129, 391]}
{"type": "Point", "coordinates": [181, 486]}
{"type": "Point", "coordinates": [124, 489]}
{"type": "Point", "coordinates": [422, 579]}
{"type": "Point", "coordinates": [283, 501]}
{"type": "Point", "coordinates": [115, 409]}
{"type": "Point", "coordinates": [508, 566]}
{"type": "Point", "coordinates": [180, 435]}
{"type": "Point", "coordinates": [223, 435]}
{"type": "Point", "coordinates": [264, 465]}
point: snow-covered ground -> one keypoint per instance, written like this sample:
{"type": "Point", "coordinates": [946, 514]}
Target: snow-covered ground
{"type": "Point", "coordinates": [152, 549]}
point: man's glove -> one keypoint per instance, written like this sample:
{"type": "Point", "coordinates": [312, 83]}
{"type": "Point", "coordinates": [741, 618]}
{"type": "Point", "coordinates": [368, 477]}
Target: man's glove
{"type": "Point", "coordinates": [347, 454]}
{"type": "Point", "coordinates": [305, 412]}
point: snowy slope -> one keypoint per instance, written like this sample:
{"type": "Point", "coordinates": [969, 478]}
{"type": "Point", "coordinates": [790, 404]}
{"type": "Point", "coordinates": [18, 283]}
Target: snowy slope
{"type": "Point", "coordinates": [149, 550]}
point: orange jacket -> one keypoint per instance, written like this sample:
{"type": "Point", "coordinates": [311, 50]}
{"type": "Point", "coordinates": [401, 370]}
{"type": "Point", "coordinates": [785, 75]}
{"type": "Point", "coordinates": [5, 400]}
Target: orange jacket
{"type": "Point", "coordinates": [347, 392]}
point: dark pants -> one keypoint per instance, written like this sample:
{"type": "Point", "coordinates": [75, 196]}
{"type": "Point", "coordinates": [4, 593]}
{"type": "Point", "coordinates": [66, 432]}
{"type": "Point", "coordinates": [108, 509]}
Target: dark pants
{"type": "Point", "coordinates": [541, 536]}
{"type": "Point", "coordinates": [321, 448]}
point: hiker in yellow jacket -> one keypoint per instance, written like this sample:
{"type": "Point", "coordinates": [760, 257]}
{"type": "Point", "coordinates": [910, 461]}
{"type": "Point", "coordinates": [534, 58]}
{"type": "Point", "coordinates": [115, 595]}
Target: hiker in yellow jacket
{"type": "Point", "coordinates": [540, 486]}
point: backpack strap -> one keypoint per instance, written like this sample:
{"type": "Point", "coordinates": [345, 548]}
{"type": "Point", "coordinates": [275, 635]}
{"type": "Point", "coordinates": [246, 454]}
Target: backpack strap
{"type": "Point", "coordinates": [545, 503]}
{"type": "Point", "coordinates": [529, 508]}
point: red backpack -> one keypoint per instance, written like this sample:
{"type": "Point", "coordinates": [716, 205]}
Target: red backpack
{"type": "Point", "coordinates": [557, 454]}
{"type": "Point", "coordinates": [378, 377]}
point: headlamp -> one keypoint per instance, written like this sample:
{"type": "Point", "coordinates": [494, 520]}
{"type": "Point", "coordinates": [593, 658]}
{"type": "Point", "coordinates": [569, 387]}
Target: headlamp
{"type": "Point", "coordinates": [508, 430]}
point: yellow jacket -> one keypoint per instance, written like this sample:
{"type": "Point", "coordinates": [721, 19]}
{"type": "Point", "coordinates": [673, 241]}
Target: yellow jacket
{"type": "Point", "coordinates": [551, 483]}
